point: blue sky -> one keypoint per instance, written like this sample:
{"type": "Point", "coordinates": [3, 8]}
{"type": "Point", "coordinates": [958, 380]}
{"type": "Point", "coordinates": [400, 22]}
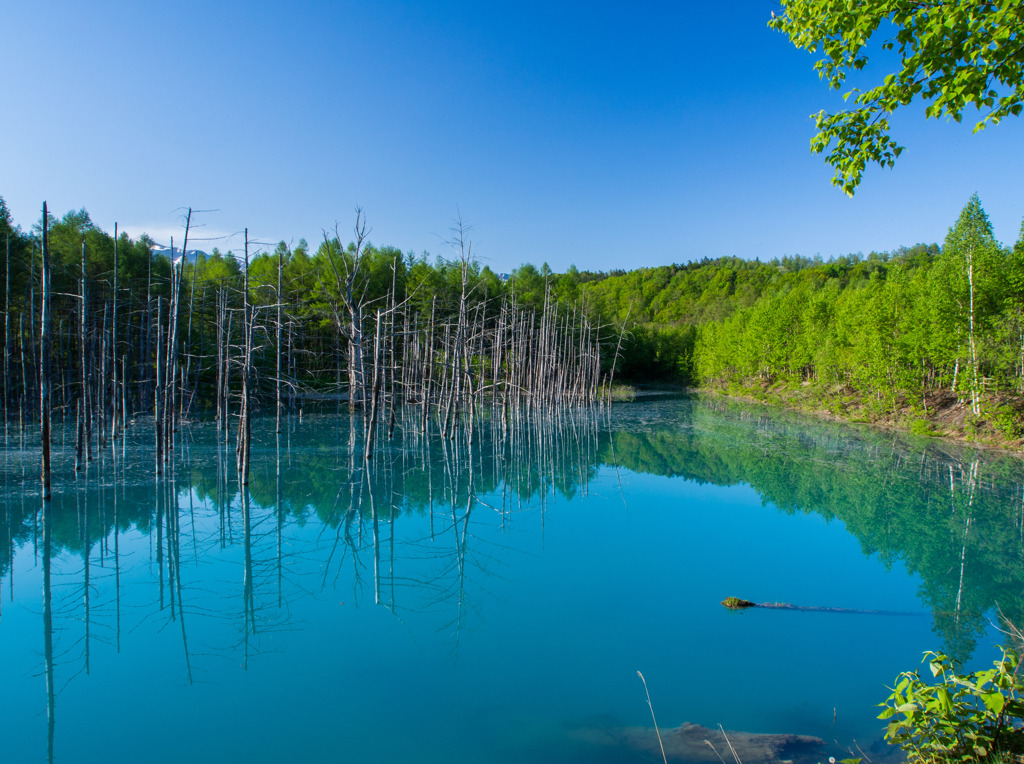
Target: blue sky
{"type": "Point", "coordinates": [605, 135]}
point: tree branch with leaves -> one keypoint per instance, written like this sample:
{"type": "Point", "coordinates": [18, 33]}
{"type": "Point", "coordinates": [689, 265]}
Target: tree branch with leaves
{"type": "Point", "coordinates": [953, 54]}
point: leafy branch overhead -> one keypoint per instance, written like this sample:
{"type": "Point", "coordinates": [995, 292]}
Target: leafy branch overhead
{"type": "Point", "coordinates": [952, 55]}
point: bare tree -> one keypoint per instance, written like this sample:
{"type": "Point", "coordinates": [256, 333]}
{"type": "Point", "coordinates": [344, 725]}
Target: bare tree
{"type": "Point", "coordinates": [347, 267]}
{"type": "Point", "coordinates": [44, 359]}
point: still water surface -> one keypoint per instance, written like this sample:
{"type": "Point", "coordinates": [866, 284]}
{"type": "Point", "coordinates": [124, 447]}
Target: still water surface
{"type": "Point", "coordinates": [493, 600]}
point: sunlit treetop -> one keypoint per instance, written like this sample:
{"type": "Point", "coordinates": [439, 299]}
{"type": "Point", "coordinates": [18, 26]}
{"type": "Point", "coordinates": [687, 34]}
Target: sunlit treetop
{"type": "Point", "coordinates": [953, 54]}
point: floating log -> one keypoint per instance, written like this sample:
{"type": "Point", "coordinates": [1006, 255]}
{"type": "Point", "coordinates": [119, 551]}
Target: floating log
{"type": "Point", "coordinates": [735, 603]}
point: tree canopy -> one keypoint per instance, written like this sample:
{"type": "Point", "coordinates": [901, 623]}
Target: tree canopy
{"type": "Point", "coordinates": [952, 54]}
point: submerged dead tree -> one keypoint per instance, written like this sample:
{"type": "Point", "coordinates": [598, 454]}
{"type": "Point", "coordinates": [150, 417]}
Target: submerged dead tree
{"type": "Point", "coordinates": [7, 340]}
{"type": "Point", "coordinates": [277, 344]}
{"type": "Point", "coordinates": [158, 397]}
{"type": "Point", "coordinates": [114, 418]}
{"type": "Point", "coordinates": [170, 387]}
{"type": "Point", "coordinates": [471, 349]}
{"type": "Point", "coordinates": [44, 358]}
{"type": "Point", "coordinates": [371, 329]}
{"type": "Point", "coordinates": [83, 397]}
{"type": "Point", "coordinates": [347, 311]}
{"type": "Point", "coordinates": [243, 446]}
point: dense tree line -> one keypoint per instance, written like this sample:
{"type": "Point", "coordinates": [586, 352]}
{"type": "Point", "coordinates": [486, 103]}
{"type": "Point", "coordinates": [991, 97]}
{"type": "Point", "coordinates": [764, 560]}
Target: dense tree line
{"type": "Point", "coordinates": [894, 331]}
{"type": "Point", "coordinates": [76, 247]}
{"type": "Point", "coordinates": [138, 331]}
{"type": "Point", "coordinates": [890, 330]}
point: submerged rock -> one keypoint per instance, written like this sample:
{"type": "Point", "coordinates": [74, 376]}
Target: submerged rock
{"type": "Point", "coordinates": [694, 743]}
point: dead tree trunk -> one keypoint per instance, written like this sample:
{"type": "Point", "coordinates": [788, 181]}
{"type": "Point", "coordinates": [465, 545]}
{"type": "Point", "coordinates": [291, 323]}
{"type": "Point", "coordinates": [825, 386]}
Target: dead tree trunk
{"type": "Point", "coordinates": [158, 414]}
{"type": "Point", "coordinates": [279, 405]}
{"type": "Point", "coordinates": [44, 360]}
{"type": "Point", "coordinates": [185, 399]}
{"type": "Point", "coordinates": [244, 428]}
{"type": "Point", "coordinates": [7, 341]}
{"type": "Point", "coordinates": [83, 350]}
{"type": "Point", "coordinates": [114, 419]}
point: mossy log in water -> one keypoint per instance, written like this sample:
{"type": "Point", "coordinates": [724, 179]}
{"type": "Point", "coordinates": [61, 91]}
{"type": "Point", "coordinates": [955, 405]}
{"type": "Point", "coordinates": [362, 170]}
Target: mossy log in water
{"type": "Point", "coordinates": [735, 603]}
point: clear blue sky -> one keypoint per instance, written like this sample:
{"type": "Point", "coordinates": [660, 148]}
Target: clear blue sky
{"type": "Point", "coordinates": [602, 134]}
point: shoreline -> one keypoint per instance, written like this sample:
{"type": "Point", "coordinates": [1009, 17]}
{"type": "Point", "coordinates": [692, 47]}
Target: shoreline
{"type": "Point", "coordinates": [947, 419]}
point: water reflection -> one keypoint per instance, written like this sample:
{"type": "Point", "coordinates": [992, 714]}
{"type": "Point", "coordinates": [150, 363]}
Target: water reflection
{"type": "Point", "coordinates": [51, 716]}
{"type": "Point", "coordinates": [411, 530]}
{"type": "Point", "coordinates": [954, 516]}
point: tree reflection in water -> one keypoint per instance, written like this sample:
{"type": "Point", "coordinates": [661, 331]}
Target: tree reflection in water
{"type": "Point", "coordinates": [402, 529]}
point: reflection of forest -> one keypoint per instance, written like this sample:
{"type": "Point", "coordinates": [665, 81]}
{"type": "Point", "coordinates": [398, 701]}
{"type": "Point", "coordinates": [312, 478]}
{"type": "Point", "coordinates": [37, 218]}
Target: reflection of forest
{"type": "Point", "coordinates": [952, 516]}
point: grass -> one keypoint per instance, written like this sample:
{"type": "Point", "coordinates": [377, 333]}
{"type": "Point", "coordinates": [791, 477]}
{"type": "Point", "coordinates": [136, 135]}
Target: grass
{"type": "Point", "coordinates": [657, 732]}
{"type": "Point", "coordinates": [620, 392]}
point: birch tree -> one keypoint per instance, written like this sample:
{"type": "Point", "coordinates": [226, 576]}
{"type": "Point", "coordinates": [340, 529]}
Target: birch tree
{"type": "Point", "coordinates": [969, 289]}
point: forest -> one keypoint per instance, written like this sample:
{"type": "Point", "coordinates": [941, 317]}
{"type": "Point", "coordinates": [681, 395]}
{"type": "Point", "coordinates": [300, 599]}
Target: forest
{"type": "Point", "coordinates": [904, 335]}
{"type": "Point", "coordinates": [896, 334]}
{"type": "Point", "coordinates": [117, 330]}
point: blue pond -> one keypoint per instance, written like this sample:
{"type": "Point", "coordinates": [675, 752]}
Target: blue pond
{"type": "Point", "coordinates": [491, 598]}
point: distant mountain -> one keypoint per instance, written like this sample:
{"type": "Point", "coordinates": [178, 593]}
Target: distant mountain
{"type": "Point", "coordinates": [190, 255]}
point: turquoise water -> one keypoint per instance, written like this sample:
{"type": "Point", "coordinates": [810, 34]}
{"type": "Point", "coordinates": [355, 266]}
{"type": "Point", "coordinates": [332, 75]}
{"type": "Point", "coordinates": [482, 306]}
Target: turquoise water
{"type": "Point", "coordinates": [491, 601]}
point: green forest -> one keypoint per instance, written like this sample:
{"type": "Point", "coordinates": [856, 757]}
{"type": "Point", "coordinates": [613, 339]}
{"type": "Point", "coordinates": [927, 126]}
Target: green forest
{"type": "Point", "coordinates": [930, 336]}
{"type": "Point", "coordinates": [901, 333]}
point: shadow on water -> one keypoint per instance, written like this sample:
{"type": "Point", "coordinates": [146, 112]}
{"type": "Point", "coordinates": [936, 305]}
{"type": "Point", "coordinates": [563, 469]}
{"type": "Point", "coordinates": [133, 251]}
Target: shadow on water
{"type": "Point", "coordinates": [404, 528]}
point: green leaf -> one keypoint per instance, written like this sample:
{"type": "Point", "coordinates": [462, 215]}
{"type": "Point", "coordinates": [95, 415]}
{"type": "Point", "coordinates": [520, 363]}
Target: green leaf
{"type": "Point", "coordinates": [945, 700]}
{"type": "Point", "coordinates": [954, 55]}
{"type": "Point", "coordinates": [994, 701]}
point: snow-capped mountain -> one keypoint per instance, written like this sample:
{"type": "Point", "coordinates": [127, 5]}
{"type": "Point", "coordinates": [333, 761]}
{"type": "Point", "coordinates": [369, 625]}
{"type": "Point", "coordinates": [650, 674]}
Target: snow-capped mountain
{"type": "Point", "coordinates": [190, 255]}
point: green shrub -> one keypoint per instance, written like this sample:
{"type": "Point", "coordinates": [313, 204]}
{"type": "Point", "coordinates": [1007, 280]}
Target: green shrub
{"type": "Point", "coordinates": [923, 427]}
{"type": "Point", "coordinates": [1004, 421]}
{"type": "Point", "coordinates": [963, 717]}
